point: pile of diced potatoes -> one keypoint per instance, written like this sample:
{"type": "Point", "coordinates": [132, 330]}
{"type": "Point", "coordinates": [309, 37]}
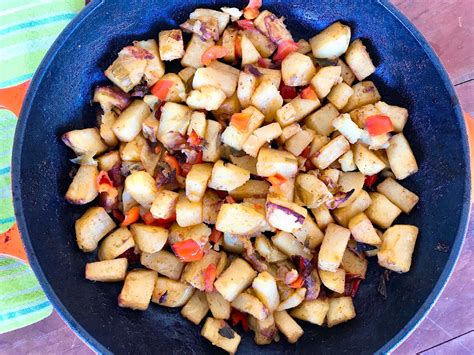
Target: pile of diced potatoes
{"type": "Point", "coordinates": [218, 157]}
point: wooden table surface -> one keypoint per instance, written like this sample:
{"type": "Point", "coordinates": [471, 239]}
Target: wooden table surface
{"type": "Point", "coordinates": [449, 327]}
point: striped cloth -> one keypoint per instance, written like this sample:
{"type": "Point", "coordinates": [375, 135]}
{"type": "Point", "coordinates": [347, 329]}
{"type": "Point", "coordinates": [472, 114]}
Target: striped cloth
{"type": "Point", "coordinates": [27, 30]}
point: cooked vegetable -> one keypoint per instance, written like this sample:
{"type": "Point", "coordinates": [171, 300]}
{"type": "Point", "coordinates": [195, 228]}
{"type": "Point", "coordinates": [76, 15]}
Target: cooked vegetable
{"type": "Point", "coordinates": [116, 244]}
{"type": "Point", "coordinates": [312, 311]}
{"type": "Point", "coordinates": [398, 195]}
{"type": "Point", "coordinates": [196, 308]}
{"type": "Point", "coordinates": [331, 42]}
{"type": "Point", "coordinates": [397, 247]}
{"type": "Point", "coordinates": [83, 188]}
{"type": "Point", "coordinates": [325, 79]}
{"type": "Point", "coordinates": [330, 152]}
{"type": "Point", "coordinates": [171, 293]}
{"type": "Point", "coordinates": [84, 141]}
{"type": "Point", "coordinates": [221, 335]}
{"type": "Point", "coordinates": [401, 158]}
{"type": "Point", "coordinates": [288, 326]}
{"type": "Point", "coordinates": [137, 289]}
{"type": "Point", "coordinates": [164, 204]}
{"type": "Point", "coordinates": [239, 218]}
{"type": "Point", "coordinates": [94, 224]}
{"type": "Point", "coordinates": [333, 246]}
{"type": "Point", "coordinates": [362, 230]}
{"type": "Point", "coordinates": [164, 262]}
{"type": "Point", "coordinates": [107, 270]}
{"type": "Point", "coordinates": [149, 239]}
{"type": "Point", "coordinates": [340, 310]}
{"type": "Point", "coordinates": [359, 60]}
{"type": "Point", "coordinates": [365, 93]}
{"type": "Point", "coordinates": [382, 212]}
{"type": "Point", "coordinates": [236, 278]}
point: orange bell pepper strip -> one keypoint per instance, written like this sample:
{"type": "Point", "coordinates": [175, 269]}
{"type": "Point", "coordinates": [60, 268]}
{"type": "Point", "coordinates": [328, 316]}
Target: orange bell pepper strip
{"type": "Point", "coordinates": [240, 120]}
{"type": "Point", "coordinates": [308, 94]}
{"type": "Point", "coordinates": [378, 124]}
{"type": "Point", "coordinates": [173, 163]}
{"type": "Point", "coordinates": [209, 277]}
{"type": "Point", "coordinates": [297, 283]}
{"type": "Point", "coordinates": [284, 49]}
{"type": "Point", "coordinates": [131, 216]}
{"type": "Point", "coordinates": [162, 88]}
{"type": "Point", "coordinates": [213, 53]}
{"type": "Point", "coordinates": [188, 250]}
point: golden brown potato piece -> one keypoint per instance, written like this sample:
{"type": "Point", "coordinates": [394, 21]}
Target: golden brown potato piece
{"type": "Point", "coordinates": [171, 293]}
{"type": "Point", "coordinates": [332, 42]}
{"type": "Point", "coordinates": [288, 326]}
{"type": "Point", "coordinates": [333, 247]}
{"type": "Point", "coordinates": [149, 239]}
{"type": "Point", "coordinates": [341, 310]}
{"type": "Point", "coordinates": [297, 69]}
{"type": "Point", "coordinates": [107, 270]}
{"type": "Point", "coordinates": [196, 308]}
{"type": "Point", "coordinates": [142, 187]}
{"type": "Point", "coordinates": [397, 194]}
{"type": "Point", "coordinates": [84, 141]}
{"type": "Point", "coordinates": [359, 60]}
{"type": "Point", "coordinates": [312, 311]}
{"type": "Point", "coordinates": [164, 204]}
{"type": "Point", "coordinates": [137, 289]}
{"type": "Point", "coordinates": [83, 188]}
{"type": "Point", "coordinates": [212, 330]}
{"type": "Point", "coordinates": [171, 45]}
{"type": "Point", "coordinates": [115, 244]}
{"type": "Point", "coordinates": [164, 262]}
{"type": "Point", "coordinates": [397, 248]}
{"type": "Point", "coordinates": [363, 231]}
{"type": "Point", "coordinates": [382, 212]}
{"type": "Point", "coordinates": [401, 158]}
{"type": "Point", "coordinates": [236, 278]}
{"type": "Point", "coordinates": [94, 224]}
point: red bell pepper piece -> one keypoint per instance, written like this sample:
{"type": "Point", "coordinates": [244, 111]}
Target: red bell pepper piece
{"type": "Point", "coordinates": [309, 94]}
{"type": "Point", "coordinates": [297, 283]}
{"type": "Point", "coordinates": [118, 215]}
{"type": "Point", "coordinates": [287, 92]}
{"type": "Point", "coordinates": [378, 124]}
{"type": "Point", "coordinates": [285, 48]}
{"type": "Point", "coordinates": [158, 222]}
{"type": "Point", "coordinates": [240, 120]}
{"type": "Point", "coordinates": [370, 180]}
{"type": "Point", "coordinates": [245, 25]}
{"type": "Point", "coordinates": [188, 250]}
{"type": "Point", "coordinates": [213, 53]}
{"type": "Point", "coordinates": [238, 317]}
{"type": "Point", "coordinates": [161, 89]}
{"type": "Point", "coordinates": [209, 277]}
{"type": "Point", "coordinates": [194, 140]}
{"type": "Point", "coordinates": [131, 216]}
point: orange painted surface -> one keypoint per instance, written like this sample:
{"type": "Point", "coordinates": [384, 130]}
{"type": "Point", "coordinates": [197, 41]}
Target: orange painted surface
{"type": "Point", "coordinates": [12, 98]}
{"type": "Point", "coordinates": [11, 244]}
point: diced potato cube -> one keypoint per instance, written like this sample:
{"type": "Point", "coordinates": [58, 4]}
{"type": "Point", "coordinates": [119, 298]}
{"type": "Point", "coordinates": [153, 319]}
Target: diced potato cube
{"type": "Point", "coordinates": [177, 91]}
{"type": "Point", "coordinates": [363, 231]}
{"type": "Point", "coordinates": [265, 288]}
{"type": "Point", "coordinates": [107, 270]}
{"type": "Point", "coordinates": [312, 311]}
{"type": "Point", "coordinates": [347, 128]}
{"type": "Point", "coordinates": [164, 262]}
{"type": "Point", "coordinates": [347, 161]}
{"type": "Point", "coordinates": [293, 300]}
{"type": "Point", "coordinates": [265, 330]}
{"type": "Point", "coordinates": [397, 194]}
{"type": "Point", "coordinates": [211, 204]}
{"type": "Point", "coordinates": [250, 54]}
{"type": "Point", "coordinates": [296, 144]}
{"type": "Point", "coordinates": [164, 204]}
{"type": "Point", "coordinates": [212, 331]}
{"type": "Point", "coordinates": [236, 278]}
{"type": "Point", "coordinates": [346, 72]}
{"type": "Point", "coordinates": [265, 248]}
{"type": "Point", "coordinates": [297, 69]}
{"type": "Point", "coordinates": [296, 110]}
{"type": "Point", "coordinates": [359, 60]}
{"type": "Point", "coordinates": [311, 191]}
{"type": "Point", "coordinates": [205, 98]}
{"type": "Point", "coordinates": [397, 247]}
{"type": "Point", "coordinates": [83, 188]}
{"type": "Point", "coordinates": [194, 51]}
{"type": "Point", "coordinates": [194, 271]}
{"type": "Point", "coordinates": [108, 160]}
{"type": "Point", "coordinates": [155, 68]}
{"type": "Point", "coordinates": [174, 119]}
{"type": "Point", "coordinates": [382, 212]}
{"type": "Point", "coordinates": [127, 70]}
{"type": "Point", "coordinates": [198, 124]}
{"type": "Point", "coordinates": [321, 120]}
{"type": "Point", "coordinates": [333, 246]}
{"type": "Point", "coordinates": [341, 310]}
{"type": "Point", "coordinates": [323, 216]}
{"type": "Point", "coordinates": [171, 45]}
{"type": "Point", "coordinates": [219, 306]}
{"type": "Point", "coordinates": [245, 162]}
{"type": "Point", "coordinates": [149, 239]}
{"type": "Point", "coordinates": [359, 204]}
{"type": "Point", "coordinates": [245, 88]}
{"type": "Point", "coordinates": [274, 75]}
{"type": "Point", "coordinates": [332, 41]}
{"type": "Point", "coordinates": [283, 215]}
{"type": "Point", "coordinates": [367, 162]}
{"type": "Point", "coordinates": [288, 326]}
{"type": "Point", "coordinates": [401, 158]}
{"type": "Point", "coordinates": [239, 218]}
{"type": "Point", "coordinates": [340, 94]}
{"type": "Point", "coordinates": [261, 136]}
{"type": "Point", "coordinates": [171, 293]}
{"type": "Point", "coordinates": [131, 151]}
{"type": "Point", "coordinates": [359, 115]}
{"type": "Point", "coordinates": [325, 79]}
{"type": "Point", "coordinates": [107, 121]}
{"type": "Point", "coordinates": [236, 137]}
{"type": "Point", "coordinates": [129, 124]}
{"type": "Point", "coordinates": [94, 224]}
{"type": "Point", "coordinates": [335, 281]}
{"type": "Point", "coordinates": [228, 42]}
{"type": "Point", "coordinates": [289, 245]}
{"type": "Point", "coordinates": [142, 187]}
{"type": "Point", "coordinates": [230, 106]}
{"type": "Point", "coordinates": [267, 99]}
{"type": "Point", "coordinates": [309, 234]}
{"type": "Point", "coordinates": [365, 93]}
{"type": "Point", "coordinates": [272, 26]}
{"type": "Point", "coordinates": [272, 161]}
{"type": "Point", "coordinates": [227, 177]}
{"type": "Point", "coordinates": [252, 188]}
{"type": "Point", "coordinates": [84, 141]}
{"type": "Point", "coordinates": [196, 181]}
{"type": "Point", "coordinates": [137, 289]}
{"type": "Point", "coordinates": [188, 213]}
{"type": "Point", "coordinates": [353, 264]}
{"type": "Point", "coordinates": [288, 132]}
{"type": "Point", "coordinates": [330, 152]}
{"type": "Point", "coordinates": [262, 43]}
{"type": "Point", "coordinates": [398, 115]}
{"type": "Point", "coordinates": [218, 75]}
{"type": "Point", "coordinates": [196, 308]}
{"type": "Point", "coordinates": [211, 150]}
{"type": "Point", "coordinates": [115, 244]}
{"type": "Point", "coordinates": [250, 304]}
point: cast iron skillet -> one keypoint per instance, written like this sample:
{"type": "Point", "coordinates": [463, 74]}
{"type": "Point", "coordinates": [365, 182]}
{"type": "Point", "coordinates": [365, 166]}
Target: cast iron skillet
{"type": "Point", "coordinates": [408, 74]}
